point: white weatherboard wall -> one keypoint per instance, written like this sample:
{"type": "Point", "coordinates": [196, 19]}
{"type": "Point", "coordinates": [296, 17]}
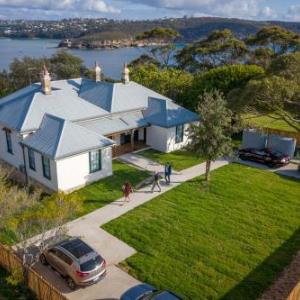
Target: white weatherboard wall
{"type": "Point", "coordinates": [163, 139]}
{"type": "Point", "coordinates": [38, 173]}
{"type": "Point", "coordinates": [171, 136]}
{"type": "Point", "coordinates": [74, 172]}
{"type": "Point", "coordinates": [15, 159]}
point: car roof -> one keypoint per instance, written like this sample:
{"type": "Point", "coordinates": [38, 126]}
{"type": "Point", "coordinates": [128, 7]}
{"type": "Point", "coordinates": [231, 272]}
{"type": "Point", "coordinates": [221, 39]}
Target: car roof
{"type": "Point", "coordinates": [76, 247]}
{"type": "Point", "coordinates": [136, 292]}
{"type": "Point", "coordinates": [166, 295]}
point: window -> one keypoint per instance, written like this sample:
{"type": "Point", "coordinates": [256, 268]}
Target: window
{"type": "Point", "coordinates": [46, 167]}
{"type": "Point", "coordinates": [95, 161]}
{"type": "Point", "coordinates": [8, 141]}
{"type": "Point", "coordinates": [179, 134]}
{"type": "Point", "coordinates": [125, 139]}
{"type": "Point", "coordinates": [31, 159]}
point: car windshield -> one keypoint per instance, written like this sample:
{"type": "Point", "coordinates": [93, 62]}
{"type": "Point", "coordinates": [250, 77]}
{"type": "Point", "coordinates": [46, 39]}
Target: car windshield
{"type": "Point", "coordinates": [91, 264]}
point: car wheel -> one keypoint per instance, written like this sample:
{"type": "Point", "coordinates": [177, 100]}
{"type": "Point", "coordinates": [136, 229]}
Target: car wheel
{"type": "Point", "coordinates": [43, 260]}
{"type": "Point", "coordinates": [71, 283]}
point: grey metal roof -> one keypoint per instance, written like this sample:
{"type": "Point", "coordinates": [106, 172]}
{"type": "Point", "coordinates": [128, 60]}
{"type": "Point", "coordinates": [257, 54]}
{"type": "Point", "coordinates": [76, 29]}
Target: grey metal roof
{"type": "Point", "coordinates": [118, 123]}
{"type": "Point", "coordinates": [82, 99]}
{"type": "Point", "coordinates": [117, 97]}
{"type": "Point", "coordinates": [166, 113]}
{"type": "Point", "coordinates": [26, 111]}
{"type": "Point", "coordinates": [58, 138]}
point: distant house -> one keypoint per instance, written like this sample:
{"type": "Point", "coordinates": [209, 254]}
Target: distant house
{"type": "Point", "coordinates": [63, 134]}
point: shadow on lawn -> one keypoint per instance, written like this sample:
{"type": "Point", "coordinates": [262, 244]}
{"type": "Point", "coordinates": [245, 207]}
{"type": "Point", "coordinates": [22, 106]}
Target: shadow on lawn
{"type": "Point", "coordinates": [260, 279]}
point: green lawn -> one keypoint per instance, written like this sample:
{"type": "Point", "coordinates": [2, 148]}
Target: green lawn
{"type": "Point", "coordinates": [225, 241]}
{"type": "Point", "coordinates": [13, 292]}
{"type": "Point", "coordinates": [269, 121]}
{"type": "Point", "coordinates": [109, 189]}
{"type": "Point", "coordinates": [180, 160]}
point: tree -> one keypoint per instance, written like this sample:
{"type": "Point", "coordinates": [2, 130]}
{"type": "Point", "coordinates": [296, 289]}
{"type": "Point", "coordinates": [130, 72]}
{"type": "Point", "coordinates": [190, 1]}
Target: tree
{"type": "Point", "coordinates": [161, 54]}
{"type": "Point", "coordinates": [211, 137]}
{"type": "Point", "coordinates": [143, 60]}
{"type": "Point", "coordinates": [25, 213]}
{"type": "Point", "coordinates": [218, 49]}
{"type": "Point", "coordinates": [261, 57]}
{"type": "Point", "coordinates": [65, 66]}
{"type": "Point", "coordinates": [170, 82]}
{"type": "Point", "coordinates": [224, 79]}
{"type": "Point", "coordinates": [286, 66]}
{"type": "Point", "coordinates": [271, 94]}
{"type": "Point", "coordinates": [26, 71]}
{"type": "Point", "coordinates": [280, 40]}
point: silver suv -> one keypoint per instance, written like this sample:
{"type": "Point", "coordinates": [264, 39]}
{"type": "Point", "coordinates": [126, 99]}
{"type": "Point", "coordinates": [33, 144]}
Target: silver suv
{"type": "Point", "coordinates": [76, 261]}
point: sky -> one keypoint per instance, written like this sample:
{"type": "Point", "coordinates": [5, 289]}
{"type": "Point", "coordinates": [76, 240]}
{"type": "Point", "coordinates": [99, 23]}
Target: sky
{"type": "Point", "coordinates": [285, 10]}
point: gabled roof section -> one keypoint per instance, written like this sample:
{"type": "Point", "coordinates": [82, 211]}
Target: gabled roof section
{"type": "Point", "coordinates": [97, 93]}
{"type": "Point", "coordinates": [117, 97]}
{"type": "Point", "coordinates": [166, 113]}
{"type": "Point", "coordinates": [117, 123]}
{"type": "Point", "coordinates": [25, 109]}
{"type": "Point", "coordinates": [58, 138]}
{"type": "Point", "coordinates": [13, 111]}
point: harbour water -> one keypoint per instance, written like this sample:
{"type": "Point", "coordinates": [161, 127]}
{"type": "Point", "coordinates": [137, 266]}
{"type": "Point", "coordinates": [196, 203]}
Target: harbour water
{"type": "Point", "coordinates": [111, 60]}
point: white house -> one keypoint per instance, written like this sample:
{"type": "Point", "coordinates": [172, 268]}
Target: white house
{"type": "Point", "coordinates": [63, 134]}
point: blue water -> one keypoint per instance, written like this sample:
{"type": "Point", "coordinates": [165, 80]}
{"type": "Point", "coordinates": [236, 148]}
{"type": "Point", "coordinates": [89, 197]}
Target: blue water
{"type": "Point", "coordinates": [111, 61]}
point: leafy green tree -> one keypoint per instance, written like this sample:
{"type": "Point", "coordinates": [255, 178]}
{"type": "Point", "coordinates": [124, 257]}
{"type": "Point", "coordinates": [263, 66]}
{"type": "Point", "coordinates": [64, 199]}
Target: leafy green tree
{"type": "Point", "coordinates": [280, 40]}
{"type": "Point", "coordinates": [64, 65]}
{"type": "Point", "coordinates": [218, 49]}
{"type": "Point", "coordinates": [223, 79]}
{"type": "Point", "coordinates": [271, 94]}
{"type": "Point", "coordinates": [144, 60]}
{"type": "Point", "coordinates": [261, 57]}
{"type": "Point", "coordinates": [159, 33]}
{"type": "Point", "coordinates": [211, 137]}
{"type": "Point", "coordinates": [287, 66]}
{"type": "Point", "coordinates": [6, 86]}
{"type": "Point", "coordinates": [25, 71]}
{"type": "Point", "coordinates": [161, 54]}
{"type": "Point", "coordinates": [170, 82]}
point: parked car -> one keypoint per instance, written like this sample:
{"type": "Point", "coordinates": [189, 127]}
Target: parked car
{"type": "Point", "coordinates": [76, 261]}
{"type": "Point", "coordinates": [265, 156]}
{"type": "Point", "coordinates": [148, 292]}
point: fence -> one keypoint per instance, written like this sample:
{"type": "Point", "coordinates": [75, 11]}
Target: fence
{"type": "Point", "coordinates": [42, 289]}
{"type": "Point", "coordinates": [295, 135]}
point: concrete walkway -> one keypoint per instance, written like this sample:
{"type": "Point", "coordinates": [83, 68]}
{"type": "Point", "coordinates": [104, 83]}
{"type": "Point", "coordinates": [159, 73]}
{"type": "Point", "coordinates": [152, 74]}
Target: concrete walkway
{"type": "Point", "coordinates": [112, 249]}
{"type": "Point", "coordinates": [142, 162]}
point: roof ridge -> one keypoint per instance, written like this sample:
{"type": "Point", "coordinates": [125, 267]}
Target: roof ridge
{"type": "Point", "coordinates": [62, 126]}
{"type": "Point", "coordinates": [112, 97]}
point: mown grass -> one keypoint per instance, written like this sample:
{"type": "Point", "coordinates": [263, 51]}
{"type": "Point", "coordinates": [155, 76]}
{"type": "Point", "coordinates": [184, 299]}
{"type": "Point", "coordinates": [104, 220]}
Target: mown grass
{"type": "Point", "coordinates": [13, 292]}
{"type": "Point", "coordinates": [109, 189]}
{"type": "Point", "coordinates": [269, 121]}
{"type": "Point", "coordinates": [180, 160]}
{"type": "Point", "coordinates": [225, 241]}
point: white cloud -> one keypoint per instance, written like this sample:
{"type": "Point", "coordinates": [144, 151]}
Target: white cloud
{"type": "Point", "coordinates": [223, 8]}
{"type": "Point", "coordinates": [98, 6]}
{"type": "Point", "coordinates": [293, 13]}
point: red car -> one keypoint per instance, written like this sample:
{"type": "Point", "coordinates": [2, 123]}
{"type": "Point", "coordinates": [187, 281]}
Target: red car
{"type": "Point", "coordinates": [265, 156]}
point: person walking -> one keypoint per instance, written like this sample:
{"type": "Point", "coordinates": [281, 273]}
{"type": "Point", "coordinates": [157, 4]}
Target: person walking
{"type": "Point", "coordinates": [169, 172]}
{"type": "Point", "coordinates": [127, 190]}
{"type": "Point", "coordinates": [156, 182]}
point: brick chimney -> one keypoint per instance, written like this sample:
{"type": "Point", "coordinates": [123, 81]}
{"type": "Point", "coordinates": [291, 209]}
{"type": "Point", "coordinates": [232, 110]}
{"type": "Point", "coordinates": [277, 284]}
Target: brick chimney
{"type": "Point", "coordinates": [97, 72]}
{"type": "Point", "coordinates": [46, 81]}
{"type": "Point", "coordinates": [125, 75]}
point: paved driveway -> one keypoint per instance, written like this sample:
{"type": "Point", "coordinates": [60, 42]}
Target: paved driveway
{"type": "Point", "coordinates": [112, 249]}
{"type": "Point", "coordinates": [111, 287]}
